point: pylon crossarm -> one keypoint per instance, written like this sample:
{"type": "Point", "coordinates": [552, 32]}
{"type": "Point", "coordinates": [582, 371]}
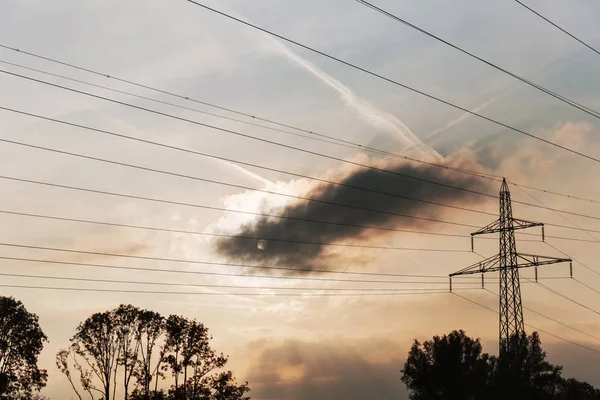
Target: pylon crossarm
{"type": "Point", "coordinates": [495, 226]}
{"type": "Point", "coordinates": [532, 260]}
{"type": "Point", "coordinates": [490, 228]}
{"type": "Point", "coordinates": [487, 265]}
{"type": "Point", "coordinates": [524, 224]}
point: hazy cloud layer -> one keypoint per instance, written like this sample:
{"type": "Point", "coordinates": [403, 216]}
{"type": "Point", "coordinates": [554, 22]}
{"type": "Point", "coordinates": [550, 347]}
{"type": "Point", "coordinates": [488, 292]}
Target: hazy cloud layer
{"type": "Point", "coordinates": [310, 257]}
{"type": "Point", "coordinates": [325, 370]}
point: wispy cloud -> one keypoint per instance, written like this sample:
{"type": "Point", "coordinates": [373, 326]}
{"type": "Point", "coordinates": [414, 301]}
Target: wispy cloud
{"type": "Point", "coordinates": [367, 112]}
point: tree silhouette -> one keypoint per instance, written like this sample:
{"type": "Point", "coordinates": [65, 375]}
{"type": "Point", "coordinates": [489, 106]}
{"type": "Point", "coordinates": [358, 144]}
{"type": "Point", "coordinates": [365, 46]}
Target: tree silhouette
{"type": "Point", "coordinates": [150, 327]}
{"type": "Point", "coordinates": [137, 346]}
{"type": "Point", "coordinates": [523, 371]}
{"type": "Point", "coordinates": [21, 341]}
{"type": "Point", "coordinates": [454, 367]}
{"type": "Point", "coordinates": [572, 389]}
{"type": "Point", "coordinates": [448, 367]}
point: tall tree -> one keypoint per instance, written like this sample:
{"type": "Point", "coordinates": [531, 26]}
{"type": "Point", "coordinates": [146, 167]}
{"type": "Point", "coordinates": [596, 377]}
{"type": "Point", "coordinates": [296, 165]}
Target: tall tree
{"type": "Point", "coordinates": [96, 342]}
{"type": "Point", "coordinates": [21, 341]}
{"type": "Point", "coordinates": [150, 327]}
{"type": "Point", "coordinates": [449, 367]}
{"type": "Point", "coordinates": [176, 329]}
{"type": "Point", "coordinates": [126, 321]}
{"type": "Point", "coordinates": [523, 372]}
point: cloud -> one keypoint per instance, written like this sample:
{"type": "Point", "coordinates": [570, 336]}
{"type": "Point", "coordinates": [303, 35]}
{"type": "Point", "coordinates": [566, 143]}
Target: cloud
{"type": "Point", "coordinates": [310, 257]}
{"type": "Point", "coordinates": [364, 368]}
{"type": "Point", "coordinates": [327, 369]}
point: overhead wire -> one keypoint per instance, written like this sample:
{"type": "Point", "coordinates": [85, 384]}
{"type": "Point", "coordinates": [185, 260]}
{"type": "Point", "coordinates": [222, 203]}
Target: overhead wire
{"type": "Point", "coordinates": [553, 319]}
{"type": "Point", "coordinates": [55, 120]}
{"type": "Point", "coordinates": [342, 184]}
{"type": "Point", "coordinates": [277, 193]}
{"type": "Point", "coordinates": [237, 112]}
{"type": "Point", "coordinates": [594, 239]}
{"type": "Point", "coordinates": [334, 141]}
{"type": "Point", "coordinates": [237, 275]}
{"type": "Point", "coordinates": [480, 174]}
{"type": "Point", "coordinates": [214, 208]}
{"type": "Point", "coordinates": [199, 262]}
{"type": "Point", "coordinates": [237, 236]}
{"type": "Point", "coordinates": [549, 289]}
{"type": "Point", "coordinates": [222, 235]}
{"type": "Point", "coordinates": [587, 110]}
{"type": "Point", "coordinates": [237, 186]}
{"type": "Point", "coordinates": [558, 27]}
{"type": "Point", "coordinates": [123, 291]}
{"type": "Point", "coordinates": [397, 83]}
{"type": "Point", "coordinates": [531, 326]}
{"type": "Point", "coordinates": [217, 286]}
{"type": "Point", "coordinates": [285, 146]}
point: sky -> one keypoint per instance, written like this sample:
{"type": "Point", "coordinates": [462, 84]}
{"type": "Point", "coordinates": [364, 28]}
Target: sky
{"type": "Point", "coordinates": [298, 347]}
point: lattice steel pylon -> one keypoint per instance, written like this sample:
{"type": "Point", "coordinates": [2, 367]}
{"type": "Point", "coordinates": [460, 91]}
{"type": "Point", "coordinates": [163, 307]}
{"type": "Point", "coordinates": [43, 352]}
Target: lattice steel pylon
{"type": "Point", "coordinates": [508, 262]}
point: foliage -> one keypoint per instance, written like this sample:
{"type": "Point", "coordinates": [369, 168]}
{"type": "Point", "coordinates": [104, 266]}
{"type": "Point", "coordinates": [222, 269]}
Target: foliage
{"type": "Point", "coordinates": [572, 389]}
{"type": "Point", "coordinates": [21, 341]}
{"type": "Point", "coordinates": [451, 366]}
{"type": "Point", "coordinates": [137, 347]}
{"type": "Point", "coordinates": [524, 371]}
{"type": "Point", "coordinates": [455, 367]}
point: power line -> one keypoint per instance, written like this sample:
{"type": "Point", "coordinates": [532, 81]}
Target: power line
{"type": "Point", "coordinates": [479, 174]}
{"type": "Point", "coordinates": [531, 326]}
{"type": "Point", "coordinates": [216, 293]}
{"type": "Point", "coordinates": [558, 27]}
{"type": "Point", "coordinates": [335, 141]}
{"type": "Point", "coordinates": [280, 144]}
{"type": "Point", "coordinates": [572, 103]}
{"type": "Point", "coordinates": [234, 161]}
{"type": "Point", "coordinates": [241, 237]}
{"type": "Point", "coordinates": [578, 262]}
{"type": "Point", "coordinates": [568, 298]}
{"type": "Point", "coordinates": [214, 157]}
{"type": "Point", "coordinates": [553, 319]}
{"type": "Point", "coordinates": [575, 225]}
{"type": "Point", "coordinates": [587, 286]}
{"type": "Point", "coordinates": [241, 134]}
{"type": "Point", "coordinates": [150, 199]}
{"type": "Point", "coordinates": [396, 82]}
{"type": "Point", "coordinates": [188, 261]}
{"type": "Point", "coordinates": [237, 275]}
{"type": "Point", "coordinates": [354, 145]}
{"type": "Point", "coordinates": [202, 285]}
{"type": "Point", "coordinates": [222, 183]}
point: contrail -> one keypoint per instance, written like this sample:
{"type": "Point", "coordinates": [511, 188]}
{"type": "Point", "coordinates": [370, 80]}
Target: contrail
{"type": "Point", "coordinates": [467, 115]}
{"type": "Point", "coordinates": [370, 114]}
{"type": "Point", "coordinates": [248, 173]}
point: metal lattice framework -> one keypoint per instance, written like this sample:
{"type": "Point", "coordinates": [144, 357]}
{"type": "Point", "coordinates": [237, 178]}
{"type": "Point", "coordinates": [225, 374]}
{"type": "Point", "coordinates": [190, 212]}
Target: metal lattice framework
{"type": "Point", "coordinates": [508, 262]}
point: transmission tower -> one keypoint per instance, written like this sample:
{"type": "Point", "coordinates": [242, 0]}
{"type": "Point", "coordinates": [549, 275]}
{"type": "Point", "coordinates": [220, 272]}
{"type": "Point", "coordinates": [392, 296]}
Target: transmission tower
{"type": "Point", "coordinates": [508, 262]}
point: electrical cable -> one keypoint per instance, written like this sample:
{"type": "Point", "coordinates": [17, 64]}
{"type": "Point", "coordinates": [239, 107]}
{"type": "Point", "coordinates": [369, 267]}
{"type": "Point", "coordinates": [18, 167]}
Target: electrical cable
{"type": "Point", "coordinates": [558, 27]}
{"type": "Point", "coordinates": [203, 285]}
{"type": "Point", "coordinates": [77, 289]}
{"type": "Point", "coordinates": [531, 326]}
{"type": "Point", "coordinates": [189, 261]}
{"type": "Point", "coordinates": [234, 275]}
{"type": "Point", "coordinates": [479, 174]}
{"type": "Point", "coordinates": [587, 110]}
{"type": "Point", "coordinates": [374, 74]}
{"type": "Point", "coordinates": [287, 146]}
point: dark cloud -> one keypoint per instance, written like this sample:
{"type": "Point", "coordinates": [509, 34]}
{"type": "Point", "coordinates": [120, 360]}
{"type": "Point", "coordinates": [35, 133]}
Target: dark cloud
{"type": "Point", "coordinates": [309, 257]}
{"type": "Point", "coordinates": [296, 370]}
